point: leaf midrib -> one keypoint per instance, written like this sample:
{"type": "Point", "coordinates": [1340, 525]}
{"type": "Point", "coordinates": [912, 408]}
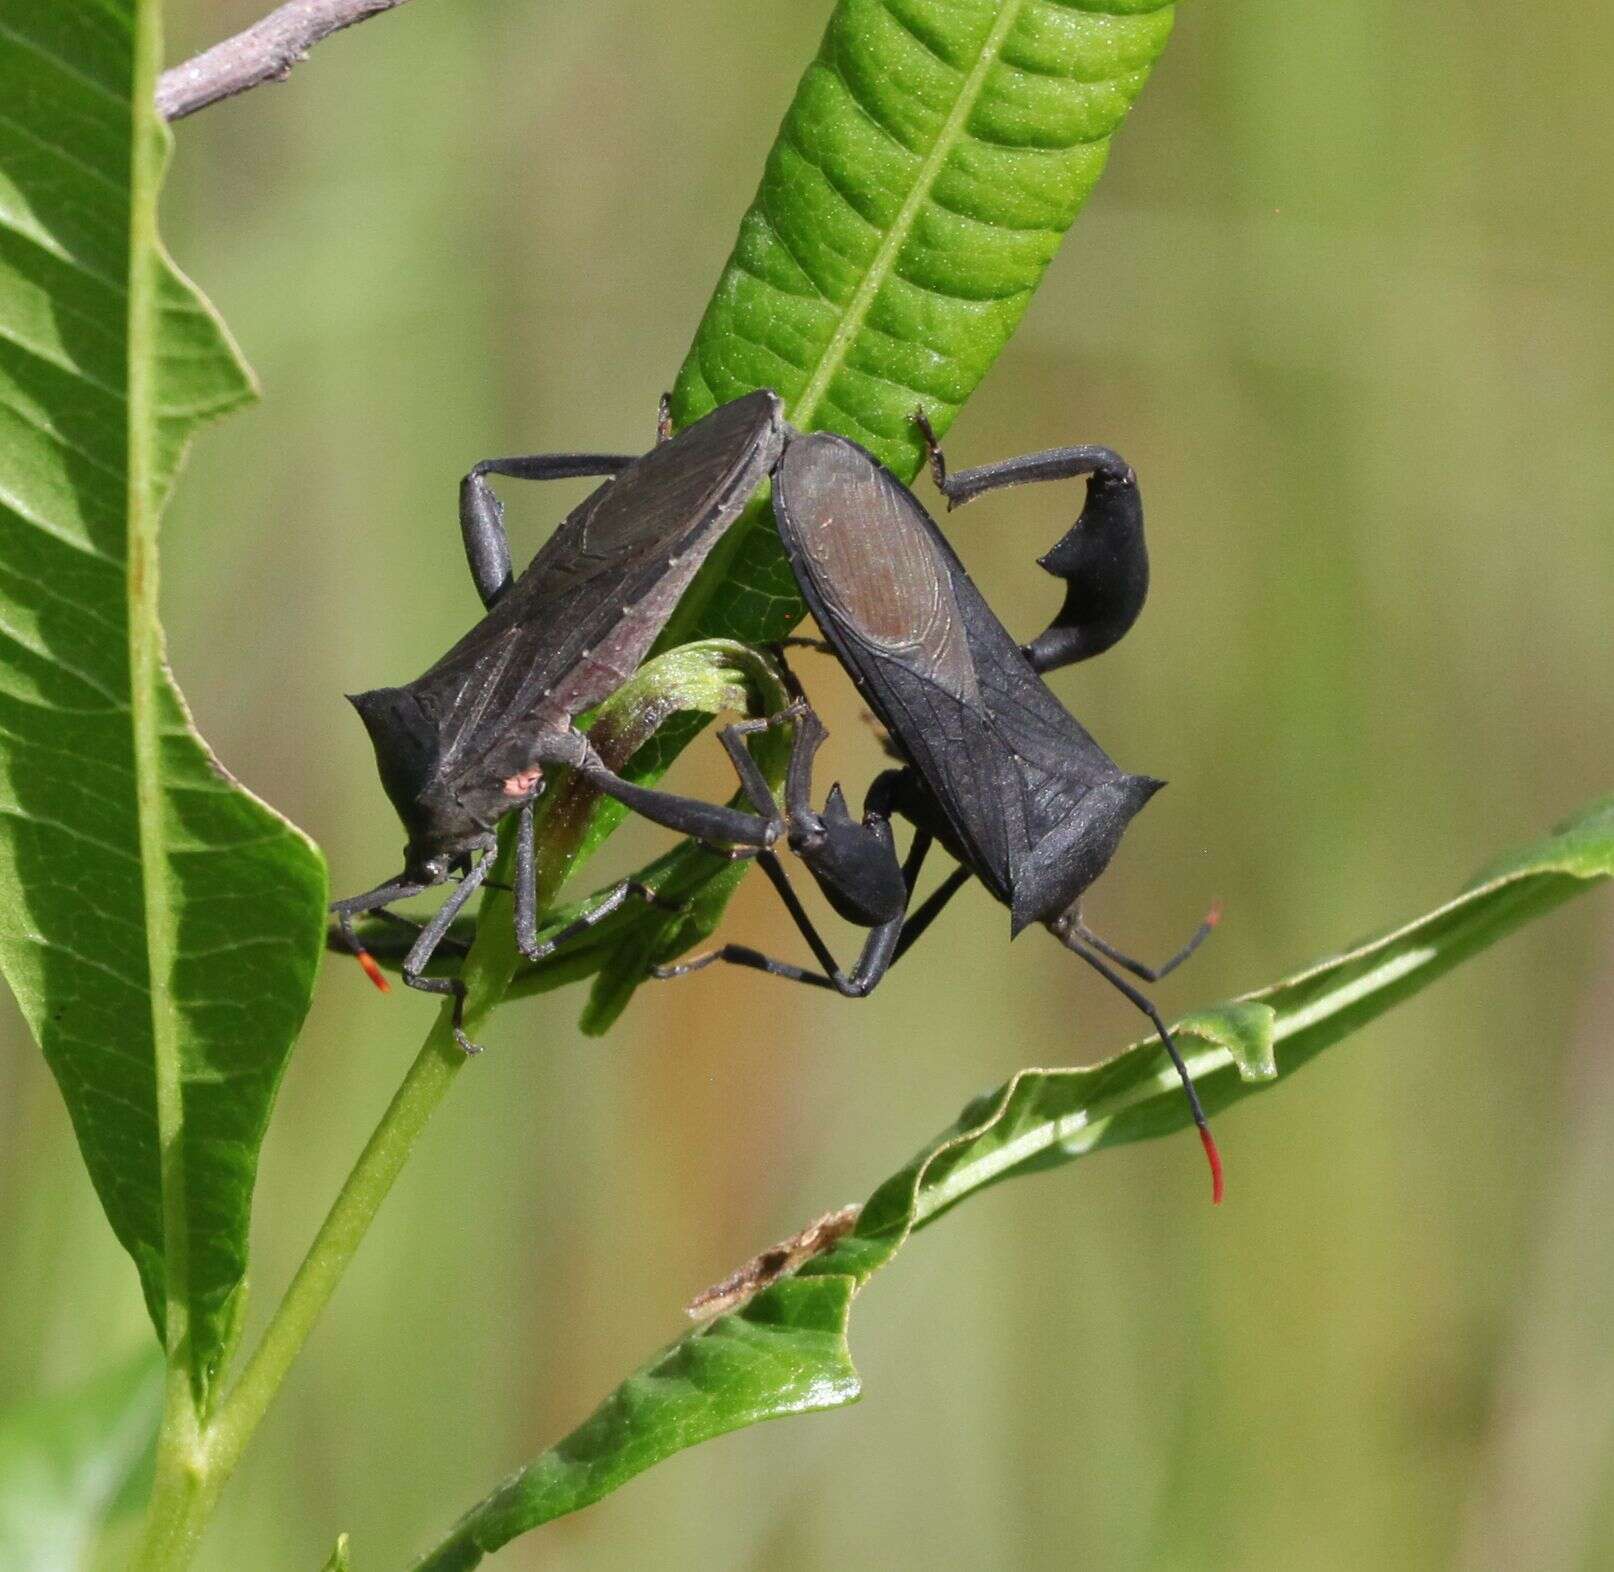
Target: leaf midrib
{"type": "Point", "coordinates": [145, 677]}
{"type": "Point", "coordinates": [857, 310]}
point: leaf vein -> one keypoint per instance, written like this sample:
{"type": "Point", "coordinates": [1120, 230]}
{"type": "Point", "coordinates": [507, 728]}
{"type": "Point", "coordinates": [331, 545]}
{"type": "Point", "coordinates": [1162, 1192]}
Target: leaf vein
{"type": "Point", "coordinates": [836, 351]}
{"type": "Point", "coordinates": [43, 241]}
{"type": "Point", "coordinates": [67, 68]}
{"type": "Point", "coordinates": [49, 656]}
{"type": "Point", "coordinates": [27, 816]}
{"type": "Point", "coordinates": [62, 443]}
{"type": "Point", "coordinates": [57, 151]}
{"type": "Point", "coordinates": [60, 362]}
{"type": "Point", "coordinates": [919, 38]}
{"type": "Point", "coordinates": [27, 516]}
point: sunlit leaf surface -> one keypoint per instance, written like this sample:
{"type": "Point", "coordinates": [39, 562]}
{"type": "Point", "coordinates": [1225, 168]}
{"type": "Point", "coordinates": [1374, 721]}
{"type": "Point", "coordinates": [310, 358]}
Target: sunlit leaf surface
{"type": "Point", "coordinates": [785, 1352]}
{"type": "Point", "coordinates": [158, 924]}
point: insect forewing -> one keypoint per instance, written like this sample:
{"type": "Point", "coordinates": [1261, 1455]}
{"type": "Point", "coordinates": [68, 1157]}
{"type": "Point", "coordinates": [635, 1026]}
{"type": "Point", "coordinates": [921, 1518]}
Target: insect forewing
{"type": "Point", "coordinates": [580, 619]}
{"type": "Point", "coordinates": [1005, 762]}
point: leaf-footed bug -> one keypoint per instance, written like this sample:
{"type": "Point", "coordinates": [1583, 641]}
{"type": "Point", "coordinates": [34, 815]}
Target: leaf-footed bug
{"type": "Point", "coordinates": [469, 740]}
{"type": "Point", "coordinates": [994, 767]}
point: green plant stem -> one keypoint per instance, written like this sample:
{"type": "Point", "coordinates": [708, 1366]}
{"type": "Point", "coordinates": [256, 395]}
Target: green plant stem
{"type": "Point", "coordinates": [192, 1468]}
{"type": "Point", "coordinates": [175, 1514]}
{"type": "Point", "coordinates": [194, 1465]}
{"type": "Point", "coordinates": [436, 1066]}
{"type": "Point", "coordinates": [195, 1460]}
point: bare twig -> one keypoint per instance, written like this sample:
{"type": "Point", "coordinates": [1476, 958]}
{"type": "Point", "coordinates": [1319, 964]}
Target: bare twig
{"type": "Point", "coordinates": [265, 52]}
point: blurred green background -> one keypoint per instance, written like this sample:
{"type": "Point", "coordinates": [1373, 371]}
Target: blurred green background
{"type": "Point", "coordinates": [1343, 299]}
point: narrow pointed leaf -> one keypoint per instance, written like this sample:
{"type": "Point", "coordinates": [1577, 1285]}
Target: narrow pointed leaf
{"type": "Point", "coordinates": [934, 155]}
{"type": "Point", "coordinates": [785, 1352]}
{"type": "Point", "coordinates": [158, 925]}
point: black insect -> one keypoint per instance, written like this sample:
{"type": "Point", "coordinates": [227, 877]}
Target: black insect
{"type": "Point", "coordinates": [994, 766]}
{"type": "Point", "coordinates": [468, 741]}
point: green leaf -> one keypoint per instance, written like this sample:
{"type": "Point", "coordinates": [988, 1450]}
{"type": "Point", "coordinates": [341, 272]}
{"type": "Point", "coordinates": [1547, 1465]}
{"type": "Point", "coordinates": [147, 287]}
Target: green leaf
{"type": "Point", "coordinates": [67, 1462]}
{"type": "Point", "coordinates": [159, 926]}
{"type": "Point", "coordinates": [338, 1561]}
{"type": "Point", "coordinates": [933, 157]}
{"type": "Point", "coordinates": [785, 1351]}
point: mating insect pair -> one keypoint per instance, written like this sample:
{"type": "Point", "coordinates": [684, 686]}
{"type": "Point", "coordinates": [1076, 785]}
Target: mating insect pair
{"type": "Point", "coordinates": [994, 767]}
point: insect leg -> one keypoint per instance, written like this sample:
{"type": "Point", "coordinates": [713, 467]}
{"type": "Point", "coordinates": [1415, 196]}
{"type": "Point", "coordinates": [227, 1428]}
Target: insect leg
{"type": "Point", "coordinates": [793, 685]}
{"type": "Point", "coordinates": [930, 910]}
{"type": "Point", "coordinates": [810, 734]}
{"type": "Point", "coordinates": [855, 865]}
{"type": "Point", "coordinates": [1102, 558]}
{"type": "Point", "coordinates": [1046, 464]}
{"type": "Point", "coordinates": [399, 921]}
{"type": "Point", "coordinates": [431, 935]}
{"type": "Point", "coordinates": [752, 780]}
{"type": "Point", "coordinates": [526, 890]}
{"type": "Point", "coordinates": [1139, 968]}
{"type": "Point", "coordinates": [448, 946]}
{"type": "Point", "coordinates": [810, 737]}
{"type": "Point", "coordinates": [703, 821]}
{"type": "Point", "coordinates": [613, 900]}
{"type": "Point", "coordinates": [527, 904]}
{"type": "Point", "coordinates": [742, 955]}
{"type": "Point", "coordinates": [487, 547]}
{"type": "Point", "coordinates": [872, 963]}
{"type": "Point", "coordinates": [1068, 938]}
{"type": "Point", "coordinates": [344, 911]}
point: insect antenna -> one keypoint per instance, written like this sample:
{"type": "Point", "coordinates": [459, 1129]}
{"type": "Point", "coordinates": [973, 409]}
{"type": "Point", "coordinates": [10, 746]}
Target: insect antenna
{"type": "Point", "coordinates": [1118, 982]}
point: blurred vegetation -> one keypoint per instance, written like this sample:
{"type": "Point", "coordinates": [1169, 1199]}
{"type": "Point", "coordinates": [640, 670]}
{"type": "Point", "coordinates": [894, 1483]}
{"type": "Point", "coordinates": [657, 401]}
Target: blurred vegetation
{"type": "Point", "coordinates": [1342, 301]}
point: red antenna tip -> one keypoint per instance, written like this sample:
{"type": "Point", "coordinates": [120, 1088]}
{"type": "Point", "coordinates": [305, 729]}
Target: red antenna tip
{"type": "Point", "coordinates": [379, 977]}
{"type": "Point", "coordinates": [1208, 1141]}
{"type": "Point", "coordinates": [1214, 915]}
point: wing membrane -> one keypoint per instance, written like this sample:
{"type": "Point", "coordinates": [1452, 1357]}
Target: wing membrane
{"type": "Point", "coordinates": [579, 620]}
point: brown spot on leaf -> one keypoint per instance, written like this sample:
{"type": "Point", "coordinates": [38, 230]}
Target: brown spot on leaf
{"type": "Point", "coordinates": [762, 1270]}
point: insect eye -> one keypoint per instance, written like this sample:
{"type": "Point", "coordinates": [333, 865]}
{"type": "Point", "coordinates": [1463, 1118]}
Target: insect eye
{"type": "Point", "coordinates": [428, 870]}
